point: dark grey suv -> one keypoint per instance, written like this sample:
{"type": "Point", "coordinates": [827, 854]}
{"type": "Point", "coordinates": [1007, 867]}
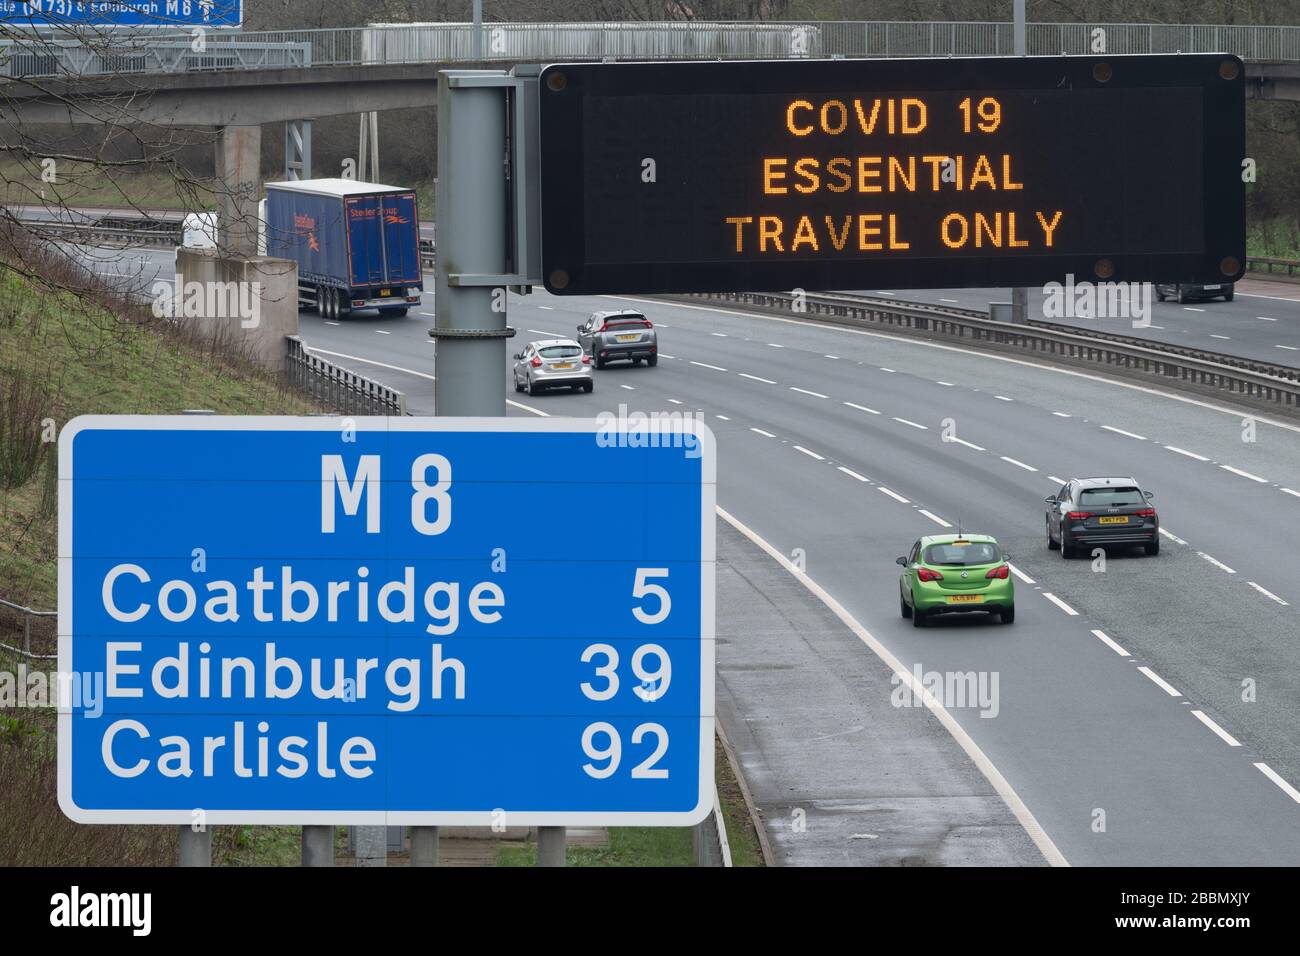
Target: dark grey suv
{"type": "Point", "coordinates": [1101, 511]}
{"type": "Point", "coordinates": [624, 336]}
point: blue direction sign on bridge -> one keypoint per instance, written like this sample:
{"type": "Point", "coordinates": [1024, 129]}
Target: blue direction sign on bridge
{"type": "Point", "coordinates": [402, 620]}
{"type": "Point", "coordinates": [134, 14]}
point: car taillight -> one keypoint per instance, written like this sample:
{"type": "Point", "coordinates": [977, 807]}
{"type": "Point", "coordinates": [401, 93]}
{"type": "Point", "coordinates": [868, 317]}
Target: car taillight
{"type": "Point", "coordinates": [586, 359]}
{"type": "Point", "coordinates": [1079, 515]}
{"type": "Point", "coordinates": [925, 574]}
{"type": "Point", "coordinates": [536, 362]}
{"type": "Point", "coordinates": [1146, 513]}
{"type": "Point", "coordinates": [1001, 571]}
{"type": "Point", "coordinates": [647, 324]}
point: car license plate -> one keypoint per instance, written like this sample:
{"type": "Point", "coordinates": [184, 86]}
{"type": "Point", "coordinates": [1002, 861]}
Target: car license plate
{"type": "Point", "coordinates": [562, 365]}
{"type": "Point", "coordinates": [628, 338]}
{"type": "Point", "coordinates": [1212, 287]}
{"type": "Point", "coordinates": [384, 292]}
{"type": "Point", "coordinates": [1113, 519]}
{"type": "Point", "coordinates": [965, 598]}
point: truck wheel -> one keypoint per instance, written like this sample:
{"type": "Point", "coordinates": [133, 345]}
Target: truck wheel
{"type": "Point", "coordinates": [322, 309]}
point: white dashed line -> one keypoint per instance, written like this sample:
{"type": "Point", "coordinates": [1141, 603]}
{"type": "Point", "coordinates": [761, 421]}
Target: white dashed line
{"type": "Point", "coordinates": [673, 357]}
{"type": "Point", "coordinates": [1224, 337]}
{"type": "Point", "coordinates": [1020, 574]}
{"type": "Point", "coordinates": [1289, 348]}
{"type": "Point", "coordinates": [1003, 398]}
{"type": "Point", "coordinates": [1101, 636]}
{"type": "Point", "coordinates": [1018, 464]}
{"type": "Point", "coordinates": [1267, 593]}
{"type": "Point", "coordinates": [836, 357]}
{"type": "Point", "coordinates": [328, 322]}
{"type": "Point", "coordinates": [675, 401]}
{"type": "Point", "coordinates": [763, 433]}
{"type": "Point", "coordinates": [1062, 415]}
{"type": "Point", "coordinates": [1160, 682]}
{"type": "Point", "coordinates": [1188, 308]}
{"type": "Point", "coordinates": [1226, 737]}
{"type": "Point", "coordinates": [775, 346]}
{"type": "Point", "coordinates": [945, 384]}
{"type": "Point", "coordinates": [723, 417]}
{"type": "Point", "coordinates": [862, 408]}
{"type": "Point", "coordinates": [1055, 480]}
{"type": "Point", "coordinates": [716, 368]}
{"type": "Point", "coordinates": [961, 441]}
{"type": "Point", "coordinates": [810, 454]}
{"type": "Point", "coordinates": [1244, 474]}
{"type": "Point", "coordinates": [1292, 491]}
{"type": "Point", "coordinates": [1172, 537]}
{"type": "Point", "coordinates": [1120, 431]}
{"type": "Point", "coordinates": [765, 381]}
{"type": "Point", "coordinates": [852, 474]}
{"type": "Point", "coordinates": [383, 331]}
{"type": "Point", "coordinates": [804, 391]}
{"type": "Point", "coordinates": [1216, 562]}
{"type": "Point", "coordinates": [1061, 604]}
{"type": "Point", "coordinates": [720, 335]}
{"type": "Point", "coordinates": [904, 421]}
{"type": "Point", "coordinates": [1272, 774]}
{"type": "Point", "coordinates": [630, 388]}
{"type": "Point", "coordinates": [548, 308]}
{"type": "Point", "coordinates": [893, 494]}
{"type": "Point", "coordinates": [1265, 318]}
{"type": "Point", "coordinates": [947, 300]}
{"type": "Point", "coordinates": [890, 370]}
{"type": "Point", "coordinates": [1184, 451]}
{"type": "Point", "coordinates": [935, 518]}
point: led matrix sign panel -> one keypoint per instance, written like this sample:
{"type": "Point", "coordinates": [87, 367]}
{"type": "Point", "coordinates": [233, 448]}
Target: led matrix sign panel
{"type": "Point", "coordinates": [859, 174]}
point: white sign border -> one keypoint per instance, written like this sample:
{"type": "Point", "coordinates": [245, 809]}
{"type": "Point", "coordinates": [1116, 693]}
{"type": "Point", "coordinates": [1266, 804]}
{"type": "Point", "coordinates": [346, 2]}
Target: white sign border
{"type": "Point", "coordinates": [686, 424]}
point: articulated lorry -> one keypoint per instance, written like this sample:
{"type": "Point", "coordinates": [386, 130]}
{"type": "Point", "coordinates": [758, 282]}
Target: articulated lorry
{"type": "Point", "coordinates": [357, 244]}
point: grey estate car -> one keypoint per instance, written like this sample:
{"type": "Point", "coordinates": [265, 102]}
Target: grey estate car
{"type": "Point", "coordinates": [619, 336]}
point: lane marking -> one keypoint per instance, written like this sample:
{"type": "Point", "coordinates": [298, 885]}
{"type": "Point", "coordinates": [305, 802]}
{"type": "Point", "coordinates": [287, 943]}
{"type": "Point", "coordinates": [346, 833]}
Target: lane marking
{"type": "Point", "coordinates": [806, 392]}
{"type": "Point", "coordinates": [1018, 464]}
{"type": "Point", "coordinates": [889, 370]}
{"type": "Point", "coordinates": [720, 335]}
{"type": "Point", "coordinates": [852, 474]}
{"type": "Point", "coordinates": [1265, 318]}
{"type": "Point", "coordinates": [946, 384]}
{"type": "Point", "coordinates": [905, 421]}
{"type": "Point", "coordinates": [1244, 474]}
{"type": "Point", "coordinates": [893, 494]}
{"type": "Point", "coordinates": [329, 322]}
{"type": "Point", "coordinates": [662, 355]}
{"type": "Point", "coordinates": [935, 518]}
{"type": "Point", "coordinates": [1172, 537]}
{"type": "Point", "coordinates": [1289, 348]}
{"type": "Point", "coordinates": [358, 358]}
{"type": "Point", "coordinates": [763, 433]}
{"type": "Point", "coordinates": [1120, 431]}
{"type": "Point", "coordinates": [1217, 563]}
{"type": "Point", "coordinates": [1020, 574]}
{"type": "Point", "coordinates": [947, 300]}
{"type": "Point", "coordinates": [961, 441]}
{"type": "Point", "coordinates": [528, 408]}
{"type": "Point", "coordinates": [723, 417]}
{"type": "Point", "coordinates": [836, 357]}
{"type": "Point", "coordinates": [999, 783]}
{"type": "Point", "coordinates": [862, 408]}
{"type": "Point", "coordinates": [630, 388]}
{"type": "Point", "coordinates": [1055, 480]}
{"type": "Point", "coordinates": [1003, 398]}
{"type": "Point", "coordinates": [1184, 451]}
{"type": "Point", "coordinates": [383, 331]}
{"type": "Point", "coordinates": [716, 368]}
{"type": "Point", "coordinates": [1272, 774]}
{"type": "Point", "coordinates": [1062, 415]}
{"type": "Point", "coordinates": [1226, 737]}
{"type": "Point", "coordinates": [548, 308]}
{"type": "Point", "coordinates": [774, 345]}
{"type": "Point", "coordinates": [974, 353]}
{"type": "Point", "coordinates": [676, 401]}
{"type": "Point", "coordinates": [765, 381]}
{"type": "Point", "coordinates": [1160, 682]}
{"type": "Point", "coordinates": [1061, 604]}
{"type": "Point", "coordinates": [1267, 593]}
{"type": "Point", "coordinates": [810, 454]}
{"type": "Point", "coordinates": [1101, 636]}
{"type": "Point", "coordinates": [1224, 337]}
{"type": "Point", "coordinates": [1188, 308]}
{"type": "Point", "coordinates": [1292, 491]}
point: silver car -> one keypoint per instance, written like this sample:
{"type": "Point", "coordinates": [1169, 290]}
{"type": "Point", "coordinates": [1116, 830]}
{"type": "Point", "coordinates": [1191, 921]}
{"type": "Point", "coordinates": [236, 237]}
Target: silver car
{"type": "Point", "coordinates": [620, 336]}
{"type": "Point", "coordinates": [553, 363]}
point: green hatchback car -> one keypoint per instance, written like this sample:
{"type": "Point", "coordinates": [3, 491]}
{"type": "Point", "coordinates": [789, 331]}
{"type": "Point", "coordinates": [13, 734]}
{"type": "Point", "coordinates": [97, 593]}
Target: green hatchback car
{"type": "Point", "coordinates": [950, 573]}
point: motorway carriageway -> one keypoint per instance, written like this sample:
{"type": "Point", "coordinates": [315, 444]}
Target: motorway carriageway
{"type": "Point", "coordinates": [1163, 692]}
{"type": "Point", "coordinates": [1121, 691]}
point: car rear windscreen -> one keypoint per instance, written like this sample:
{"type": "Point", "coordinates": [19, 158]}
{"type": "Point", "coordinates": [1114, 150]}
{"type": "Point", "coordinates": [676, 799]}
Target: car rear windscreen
{"type": "Point", "coordinates": [1110, 497]}
{"type": "Point", "coordinates": [962, 555]}
{"type": "Point", "coordinates": [626, 323]}
{"type": "Point", "coordinates": [560, 351]}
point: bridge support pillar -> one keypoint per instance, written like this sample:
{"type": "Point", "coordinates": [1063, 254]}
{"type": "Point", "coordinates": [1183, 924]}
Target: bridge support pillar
{"type": "Point", "coordinates": [297, 149]}
{"type": "Point", "coordinates": [239, 186]}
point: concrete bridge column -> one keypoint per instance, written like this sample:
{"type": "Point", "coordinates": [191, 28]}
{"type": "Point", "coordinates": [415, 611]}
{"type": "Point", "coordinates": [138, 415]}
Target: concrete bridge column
{"type": "Point", "coordinates": [239, 186]}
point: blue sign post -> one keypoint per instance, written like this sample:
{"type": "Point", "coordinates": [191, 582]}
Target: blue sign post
{"type": "Point", "coordinates": [129, 14]}
{"type": "Point", "coordinates": [406, 620]}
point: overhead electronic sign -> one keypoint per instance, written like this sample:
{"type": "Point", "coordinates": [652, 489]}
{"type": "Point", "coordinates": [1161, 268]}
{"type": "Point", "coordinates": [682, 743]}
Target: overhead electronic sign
{"type": "Point", "coordinates": [907, 173]}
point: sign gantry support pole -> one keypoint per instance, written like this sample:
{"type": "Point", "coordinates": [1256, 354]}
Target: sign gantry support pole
{"type": "Point", "coordinates": [471, 276]}
{"type": "Point", "coordinates": [1019, 295]}
{"type": "Point", "coordinates": [196, 846]}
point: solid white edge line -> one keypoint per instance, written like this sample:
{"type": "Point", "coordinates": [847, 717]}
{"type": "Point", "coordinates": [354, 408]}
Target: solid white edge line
{"type": "Point", "coordinates": [528, 408]}
{"type": "Point", "coordinates": [1272, 774]}
{"type": "Point", "coordinates": [977, 353]}
{"type": "Point", "coordinates": [1227, 738]}
{"type": "Point", "coordinates": [985, 766]}
{"type": "Point", "coordinates": [935, 518]}
{"type": "Point", "coordinates": [1101, 636]}
{"type": "Point", "coordinates": [1020, 574]}
{"type": "Point", "coordinates": [1061, 604]}
{"type": "Point", "coordinates": [358, 358]}
{"type": "Point", "coordinates": [1160, 682]}
{"type": "Point", "coordinates": [893, 494]}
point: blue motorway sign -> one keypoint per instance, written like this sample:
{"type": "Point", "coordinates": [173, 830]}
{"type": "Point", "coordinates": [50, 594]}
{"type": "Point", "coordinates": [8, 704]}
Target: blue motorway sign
{"type": "Point", "coordinates": [132, 14]}
{"type": "Point", "coordinates": [429, 621]}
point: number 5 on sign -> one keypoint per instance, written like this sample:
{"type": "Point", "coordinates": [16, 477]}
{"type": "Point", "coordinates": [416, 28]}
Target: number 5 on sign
{"type": "Point", "coordinates": [642, 588]}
